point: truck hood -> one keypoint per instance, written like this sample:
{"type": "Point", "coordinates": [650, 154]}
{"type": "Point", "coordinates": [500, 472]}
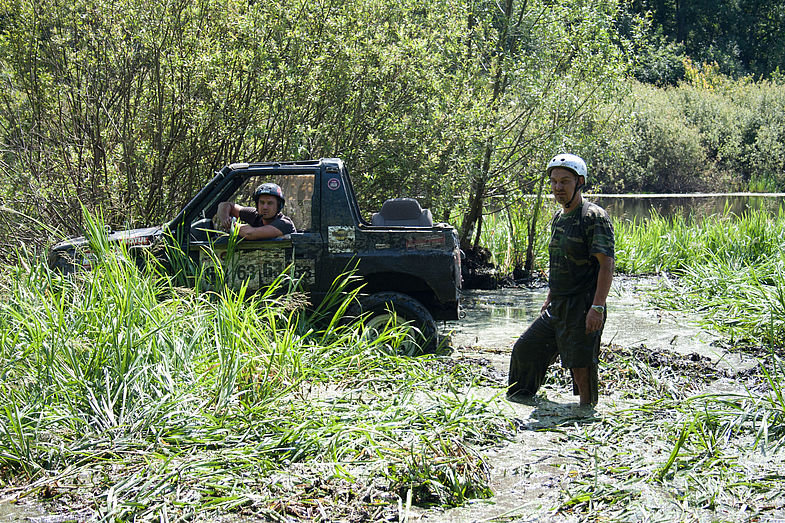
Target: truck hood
{"type": "Point", "coordinates": [131, 237]}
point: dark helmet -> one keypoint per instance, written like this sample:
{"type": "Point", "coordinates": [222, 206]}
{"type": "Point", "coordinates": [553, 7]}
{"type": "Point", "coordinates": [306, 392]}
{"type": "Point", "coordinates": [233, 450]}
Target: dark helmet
{"type": "Point", "coordinates": [269, 188]}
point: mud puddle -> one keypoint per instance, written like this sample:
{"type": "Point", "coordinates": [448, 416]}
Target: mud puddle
{"type": "Point", "coordinates": [553, 454]}
{"type": "Point", "coordinates": [495, 319]}
{"type": "Point", "coordinates": [532, 475]}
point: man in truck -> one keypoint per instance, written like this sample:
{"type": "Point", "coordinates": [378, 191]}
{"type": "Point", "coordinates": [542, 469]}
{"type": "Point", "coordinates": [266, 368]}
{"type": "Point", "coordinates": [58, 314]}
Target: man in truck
{"type": "Point", "coordinates": [581, 265]}
{"type": "Point", "coordinates": [264, 222]}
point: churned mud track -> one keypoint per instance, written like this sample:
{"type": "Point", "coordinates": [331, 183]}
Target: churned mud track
{"type": "Point", "coordinates": [556, 455]}
{"type": "Point", "coordinates": [567, 463]}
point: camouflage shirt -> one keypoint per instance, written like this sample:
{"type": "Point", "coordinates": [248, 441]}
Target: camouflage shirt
{"type": "Point", "coordinates": [575, 236]}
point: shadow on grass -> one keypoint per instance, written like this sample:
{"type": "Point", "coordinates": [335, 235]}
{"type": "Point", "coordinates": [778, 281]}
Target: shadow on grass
{"type": "Point", "coordinates": [549, 414]}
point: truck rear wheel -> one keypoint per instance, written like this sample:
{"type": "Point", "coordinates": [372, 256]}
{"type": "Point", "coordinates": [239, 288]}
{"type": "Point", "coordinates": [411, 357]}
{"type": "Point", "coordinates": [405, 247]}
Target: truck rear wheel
{"type": "Point", "coordinates": [395, 308]}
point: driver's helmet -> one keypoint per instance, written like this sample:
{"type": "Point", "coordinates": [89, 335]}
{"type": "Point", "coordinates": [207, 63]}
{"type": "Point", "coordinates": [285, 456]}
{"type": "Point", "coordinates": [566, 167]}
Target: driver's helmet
{"type": "Point", "coordinates": [571, 162]}
{"type": "Point", "coordinates": [269, 188]}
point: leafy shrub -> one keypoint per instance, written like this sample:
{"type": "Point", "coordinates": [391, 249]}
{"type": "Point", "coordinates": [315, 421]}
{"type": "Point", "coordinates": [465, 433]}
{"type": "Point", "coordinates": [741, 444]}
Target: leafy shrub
{"type": "Point", "coordinates": [670, 150]}
{"type": "Point", "coordinates": [710, 133]}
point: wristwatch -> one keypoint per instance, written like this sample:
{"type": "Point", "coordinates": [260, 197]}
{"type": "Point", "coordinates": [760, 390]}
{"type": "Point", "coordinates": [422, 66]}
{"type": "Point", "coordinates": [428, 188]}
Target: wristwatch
{"type": "Point", "coordinates": [599, 308]}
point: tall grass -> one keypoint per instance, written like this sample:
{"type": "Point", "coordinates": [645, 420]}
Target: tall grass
{"type": "Point", "coordinates": [135, 398]}
{"type": "Point", "coordinates": [505, 233]}
{"type": "Point", "coordinates": [675, 244]}
{"type": "Point", "coordinates": [649, 246]}
{"type": "Point", "coordinates": [730, 268]}
{"type": "Point", "coordinates": [720, 453]}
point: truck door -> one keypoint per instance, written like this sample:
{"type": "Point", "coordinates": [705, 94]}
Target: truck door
{"type": "Point", "coordinates": [258, 264]}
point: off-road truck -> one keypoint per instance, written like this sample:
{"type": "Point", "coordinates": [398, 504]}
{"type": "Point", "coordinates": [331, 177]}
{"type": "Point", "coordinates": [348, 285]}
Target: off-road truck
{"type": "Point", "coordinates": [405, 262]}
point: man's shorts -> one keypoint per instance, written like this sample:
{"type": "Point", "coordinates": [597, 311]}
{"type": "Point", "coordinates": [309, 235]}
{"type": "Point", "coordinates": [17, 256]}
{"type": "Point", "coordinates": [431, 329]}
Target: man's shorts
{"type": "Point", "coordinates": [564, 323]}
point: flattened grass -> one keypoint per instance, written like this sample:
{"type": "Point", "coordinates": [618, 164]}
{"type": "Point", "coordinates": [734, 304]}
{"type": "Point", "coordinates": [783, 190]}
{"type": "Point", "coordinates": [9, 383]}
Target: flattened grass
{"type": "Point", "coordinates": [676, 455]}
{"type": "Point", "coordinates": [716, 455]}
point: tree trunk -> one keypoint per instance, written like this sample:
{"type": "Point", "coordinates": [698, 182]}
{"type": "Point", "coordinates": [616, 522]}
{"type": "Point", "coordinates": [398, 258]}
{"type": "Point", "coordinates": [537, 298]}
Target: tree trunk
{"type": "Point", "coordinates": [478, 233]}
{"type": "Point", "coordinates": [528, 266]}
{"type": "Point", "coordinates": [477, 198]}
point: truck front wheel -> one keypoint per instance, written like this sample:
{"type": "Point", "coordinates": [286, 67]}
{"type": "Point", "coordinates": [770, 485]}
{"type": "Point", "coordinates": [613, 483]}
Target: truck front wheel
{"type": "Point", "coordinates": [62, 262]}
{"type": "Point", "coordinates": [394, 308]}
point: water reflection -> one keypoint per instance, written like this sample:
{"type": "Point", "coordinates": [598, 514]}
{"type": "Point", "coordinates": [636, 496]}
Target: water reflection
{"type": "Point", "coordinates": [496, 318]}
{"type": "Point", "coordinates": [642, 206]}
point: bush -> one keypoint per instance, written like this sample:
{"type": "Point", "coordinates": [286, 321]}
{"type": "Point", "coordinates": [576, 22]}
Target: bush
{"type": "Point", "coordinates": [670, 151]}
{"type": "Point", "coordinates": [710, 133]}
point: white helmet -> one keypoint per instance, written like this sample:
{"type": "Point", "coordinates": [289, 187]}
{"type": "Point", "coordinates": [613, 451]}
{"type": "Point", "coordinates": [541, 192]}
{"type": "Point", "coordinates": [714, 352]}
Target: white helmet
{"type": "Point", "coordinates": [570, 162]}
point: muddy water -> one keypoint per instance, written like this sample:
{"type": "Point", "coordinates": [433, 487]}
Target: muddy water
{"type": "Point", "coordinates": [643, 206]}
{"type": "Point", "coordinates": [531, 474]}
{"type": "Point", "coordinates": [495, 319]}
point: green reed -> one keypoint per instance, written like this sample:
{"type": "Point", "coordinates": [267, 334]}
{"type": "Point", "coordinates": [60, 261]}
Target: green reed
{"type": "Point", "coordinates": [151, 400]}
{"type": "Point", "coordinates": [673, 244]}
{"type": "Point", "coordinates": [505, 234]}
{"type": "Point", "coordinates": [718, 455]}
{"type": "Point", "coordinates": [730, 268]}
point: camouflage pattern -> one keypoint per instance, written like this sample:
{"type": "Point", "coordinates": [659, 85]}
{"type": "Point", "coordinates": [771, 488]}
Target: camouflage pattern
{"type": "Point", "coordinates": [575, 236]}
{"type": "Point", "coordinates": [558, 332]}
{"type": "Point", "coordinates": [561, 329]}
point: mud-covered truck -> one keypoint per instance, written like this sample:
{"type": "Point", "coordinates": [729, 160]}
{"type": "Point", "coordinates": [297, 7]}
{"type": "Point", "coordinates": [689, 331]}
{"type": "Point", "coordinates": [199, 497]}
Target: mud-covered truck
{"type": "Point", "coordinates": [409, 267]}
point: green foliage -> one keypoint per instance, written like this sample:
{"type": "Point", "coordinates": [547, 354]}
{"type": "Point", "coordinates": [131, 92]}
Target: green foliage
{"type": "Point", "coordinates": [554, 65]}
{"type": "Point", "coordinates": [132, 106]}
{"type": "Point", "coordinates": [742, 36]}
{"type": "Point", "coordinates": [505, 235]}
{"type": "Point", "coordinates": [727, 267]}
{"type": "Point", "coordinates": [711, 134]}
{"type": "Point", "coordinates": [654, 58]}
{"type": "Point", "coordinates": [152, 400]}
{"type": "Point", "coordinates": [660, 63]}
{"type": "Point", "coordinates": [653, 149]}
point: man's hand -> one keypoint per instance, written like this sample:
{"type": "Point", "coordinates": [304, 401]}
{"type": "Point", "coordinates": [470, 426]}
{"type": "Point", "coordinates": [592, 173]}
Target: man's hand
{"type": "Point", "coordinates": [546, 304]}
{"type": "Point", "coordinates": [594, 321]}
{"type": "Point", "coordinates": [223, 219]}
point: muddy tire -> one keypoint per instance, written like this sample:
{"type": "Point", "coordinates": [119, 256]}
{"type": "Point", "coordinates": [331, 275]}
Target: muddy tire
{"type": "Point", "coordinates": [384, 307]}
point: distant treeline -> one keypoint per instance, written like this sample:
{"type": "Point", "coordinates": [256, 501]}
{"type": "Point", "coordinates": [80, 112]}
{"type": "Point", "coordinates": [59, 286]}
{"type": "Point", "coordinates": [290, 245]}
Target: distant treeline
{"type": "Point", "coordinates": [743, 37]}
{"type": "Point", "coordinates": [708, 134]}
{"type": "Point", "coordinates": [130, 106]}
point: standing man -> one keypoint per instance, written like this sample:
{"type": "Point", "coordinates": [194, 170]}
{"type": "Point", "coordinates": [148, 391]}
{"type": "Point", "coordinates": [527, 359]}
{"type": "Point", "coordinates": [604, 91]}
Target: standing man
{"type": "Point", "coordinates": [581, 264]}
{"type": "Point", "coordinates": [264, 222]}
